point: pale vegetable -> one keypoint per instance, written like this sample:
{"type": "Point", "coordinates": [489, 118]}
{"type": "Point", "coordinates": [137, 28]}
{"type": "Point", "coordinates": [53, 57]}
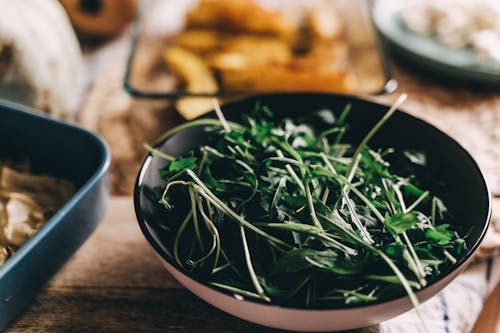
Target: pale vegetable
{"type": "Point", "coordinates": [40, 58]}
{"type": "Point", "coordinates": [26, 202]}
{"type": "Point", "coordinates": [458, 24]}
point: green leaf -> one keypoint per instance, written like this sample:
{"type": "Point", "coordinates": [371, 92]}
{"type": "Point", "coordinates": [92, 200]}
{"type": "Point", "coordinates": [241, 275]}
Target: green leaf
{"type": "Point", "coordinates": [347, 267]}
{"type": "Point", "coordinates": [295, 260]}
{"type": "Point", "coordinates": [394, 250]}
{"type": "Point", "coordinates": [399, 223]}
{"type": "Point", "coordinates": [183, 164]}
{"type": "Point", "coordinates": [440, 234]}
{"type": "Point", "coordinates": [412, 191]}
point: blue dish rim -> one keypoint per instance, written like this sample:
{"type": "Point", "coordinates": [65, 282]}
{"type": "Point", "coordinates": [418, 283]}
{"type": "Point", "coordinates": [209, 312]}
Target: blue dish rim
{"type": "Point", "coordinates": [52, 222]}
{"type": "Point", "coordinates": [165, 256]}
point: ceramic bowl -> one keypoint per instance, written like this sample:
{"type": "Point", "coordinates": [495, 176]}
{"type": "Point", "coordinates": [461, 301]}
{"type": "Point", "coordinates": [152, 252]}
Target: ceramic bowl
{"type": "Point", "coordinates": [466, 195]}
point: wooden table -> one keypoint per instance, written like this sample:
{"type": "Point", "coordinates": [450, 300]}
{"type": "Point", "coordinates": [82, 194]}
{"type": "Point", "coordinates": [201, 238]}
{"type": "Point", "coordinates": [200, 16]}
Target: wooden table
{"type": "Point", "coordinates": [114, 283]}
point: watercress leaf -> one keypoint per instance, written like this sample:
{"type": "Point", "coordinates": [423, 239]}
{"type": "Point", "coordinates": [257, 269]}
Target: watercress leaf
{"type": "Point", "coordinates": [440, 234]}
{"type": "Point", "coordinates": [411, 191]}
{"type": "Point", "coordinates": [182, 164]}
{"type": "Point", "coordinates": [295, 260]}
{"type": "Point", "coordinates": [399, 223]}
{"type": "Point", "coordinates": [394, 250]}
{"type": "Point", "coordinates": [346, 267]}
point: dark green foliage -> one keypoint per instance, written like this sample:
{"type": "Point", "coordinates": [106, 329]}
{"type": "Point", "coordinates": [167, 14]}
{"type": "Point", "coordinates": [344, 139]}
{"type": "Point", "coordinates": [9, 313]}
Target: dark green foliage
{"type": "Point", "coordinates": [277, 211]}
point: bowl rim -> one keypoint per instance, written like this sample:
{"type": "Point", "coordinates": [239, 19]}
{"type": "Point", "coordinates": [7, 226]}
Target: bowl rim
{"type": "Point", "coordinates": [53, 221]}
{"type": "Point", "coordinates": [164, 255]}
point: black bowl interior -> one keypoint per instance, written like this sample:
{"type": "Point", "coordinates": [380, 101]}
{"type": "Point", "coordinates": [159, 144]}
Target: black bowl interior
{"type": "Point", "coordinates": [464, 192]}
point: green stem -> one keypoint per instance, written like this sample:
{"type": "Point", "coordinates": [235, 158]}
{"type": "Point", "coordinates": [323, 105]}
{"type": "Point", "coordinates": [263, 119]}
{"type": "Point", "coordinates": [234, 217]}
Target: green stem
{"type": "Point", "coordinates": [220, 115]}
{"type": "Point", "coordinates": [417, 202]}
{"type": "Point", "coordinates": [213, 229]}
{"type": "Point", "coordinates": [251, 271]}
{"type": "Point", "coordinates": [205, 192]}
{"type": "Point", "coordinates": [195, 123]}
{"type": "Point", "coordinates": [401, 99]}
{"type": "Point", "coordinates": [158, 153]}
{"type": "Point", "coordinates": [178, 238]}
{"type": "Point", "coordinates": [235, 290]}
{"type": "Point", "coordinates": [195, 217]}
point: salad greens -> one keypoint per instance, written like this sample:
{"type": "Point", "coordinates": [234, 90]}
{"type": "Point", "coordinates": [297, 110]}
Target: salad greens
{"type": "Point", "coordinates": [279, 211]}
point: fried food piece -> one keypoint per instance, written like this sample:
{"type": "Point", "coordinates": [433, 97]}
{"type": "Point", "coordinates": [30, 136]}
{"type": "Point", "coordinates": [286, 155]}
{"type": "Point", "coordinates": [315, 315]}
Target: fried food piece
{"type": "Point", "coordinates": [286, 79]}
{"type": "Point", "coordinates": [251, 51]}
{"type": "Point", "coordinates": [322, 70]}
{"type": "Point", "coordinates": [323, 21]}
{"type": "Point", "coordinates": [197, 78]}
{"type": "Point", "coordinates": [192, 107]}
{"type": "Point", "coordinates": [240, 15]}
{"type": "Point", "coordinates": [200, 41]}
{"type": "Point", "coordinates": [325, 56]}
{"type": "Point", "coordinates": [191, 70]}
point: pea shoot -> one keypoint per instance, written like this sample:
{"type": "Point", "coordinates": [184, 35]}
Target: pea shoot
{"type": "Point", "coordinates": [284, 212]}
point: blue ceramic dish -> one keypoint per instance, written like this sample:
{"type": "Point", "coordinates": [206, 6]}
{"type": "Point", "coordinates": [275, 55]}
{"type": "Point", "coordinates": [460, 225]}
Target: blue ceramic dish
{"type": "Point", "coordinates": [62, 150]}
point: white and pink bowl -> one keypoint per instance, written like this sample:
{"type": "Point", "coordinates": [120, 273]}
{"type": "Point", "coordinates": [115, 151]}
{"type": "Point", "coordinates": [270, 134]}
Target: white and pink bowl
{"type": "Point", "coordinates": [466, 195]}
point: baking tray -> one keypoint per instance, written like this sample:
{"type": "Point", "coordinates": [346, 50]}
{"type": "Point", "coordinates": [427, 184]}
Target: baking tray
{"type": "Point", "coordinates": [148, 77]}
{"type": "Point", "coordinates": [62, 150]}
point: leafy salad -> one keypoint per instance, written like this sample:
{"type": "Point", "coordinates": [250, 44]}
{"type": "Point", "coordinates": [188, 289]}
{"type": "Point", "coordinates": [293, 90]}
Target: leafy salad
{"type": "Point", "coordinates": [279, 211]}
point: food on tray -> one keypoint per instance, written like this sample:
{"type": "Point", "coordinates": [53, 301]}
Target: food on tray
{"type": "Point", "coordinates": [250, 51]}
{"type": "Point", "coordinates": [100, 18]}
{"type": "Point", "coordinates": [27, 201]}
{"type": "Point", "coordinates": [249, 48]}
{"type": "Point", "coordinates": [289, 212]}
{"type": "Point", "coordinates": [242, 16]}
{"type": "Point", "coordinates": [458, 24]}
{"type": "Point", "coordinates": [40, 59]}
{"type": "Point", "coordinates": [194, 72]}
{"type": "Point", "coordinates": [323, 21]}
{"type": "Point", "coordinates": [197, 78]}
{"type": "Point", "coordinates": [316, 70]}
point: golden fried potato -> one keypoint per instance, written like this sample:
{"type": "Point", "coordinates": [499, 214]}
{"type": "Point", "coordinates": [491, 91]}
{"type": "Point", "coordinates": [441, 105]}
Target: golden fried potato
{"type": "Point", "coordinates": [251, 51]}
{"type": "Point", "coordinates": [286, 79]}
{"type": "Point", "coordinates": [191, 70]}
{"type": "Point", "coordinates": [197, 78]}
{"type": "Point", "coordinates": [192, 107]}
{"type": "Point", "coordinates": [200, 41]}
{"type": "Point", "coordinates": [322, 70]}
{"type": "Point", "coordinates": [324, 56]}
{"type": "Point", "coordinates": [323, 21]}
{"type": "Point", "coordinates": [239, 15]}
